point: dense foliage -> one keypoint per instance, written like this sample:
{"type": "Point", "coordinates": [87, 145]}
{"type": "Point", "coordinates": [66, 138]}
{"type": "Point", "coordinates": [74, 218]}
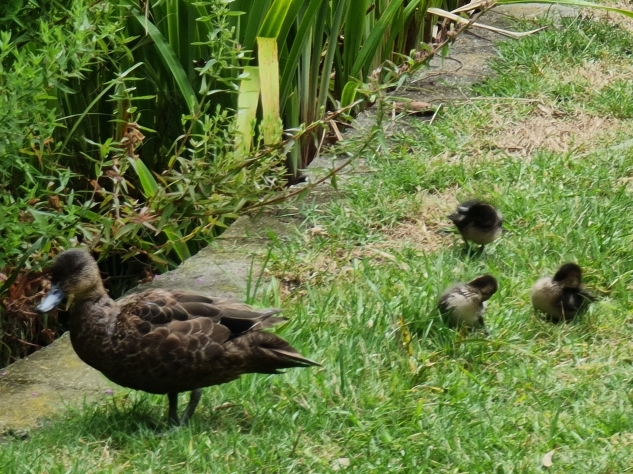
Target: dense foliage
{"type": "Point", "coordinates": [143, 129]}
{"type": "Point", "coordinates": [77, 103]}
{"type": "Point", "coordinates": [119, 118]}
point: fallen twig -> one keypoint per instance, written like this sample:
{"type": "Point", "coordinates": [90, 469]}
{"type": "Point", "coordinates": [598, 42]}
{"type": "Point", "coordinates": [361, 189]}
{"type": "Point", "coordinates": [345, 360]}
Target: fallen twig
{"type": "Point", "coordinates": [460, 20]}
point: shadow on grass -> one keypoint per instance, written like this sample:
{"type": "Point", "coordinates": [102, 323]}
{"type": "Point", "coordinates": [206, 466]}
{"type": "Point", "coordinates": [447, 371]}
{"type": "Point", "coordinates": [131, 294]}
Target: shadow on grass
{"type": "Point", "coordinates": [131, 418]}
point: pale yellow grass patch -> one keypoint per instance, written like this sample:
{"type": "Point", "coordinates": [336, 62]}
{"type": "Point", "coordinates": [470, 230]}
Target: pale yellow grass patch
{"type": "Point", "coordinates": [615, 18]}
{"type": "Point", "coordinates": [598, 74]}
{"type": "Point", "coordinates": [561, 132]}
{"type": "Point", "coordinates": [557, 134]}
{"type": "Point", "coordinates": [423, 230]}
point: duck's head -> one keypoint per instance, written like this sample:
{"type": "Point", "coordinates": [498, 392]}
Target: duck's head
{"type": "Point", "coordinates": [74, 274]}
{"type": "Point", "coordinates": [569, 275]}
{"type": "Point", "coordinates": [486, 284]}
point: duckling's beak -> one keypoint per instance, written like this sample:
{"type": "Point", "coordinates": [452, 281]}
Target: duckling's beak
{"type": "Point", "coordinates": [51, 299]}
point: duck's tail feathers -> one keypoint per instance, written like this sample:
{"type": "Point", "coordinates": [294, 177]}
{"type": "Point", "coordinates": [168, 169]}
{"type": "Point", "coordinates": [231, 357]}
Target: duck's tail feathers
{"type": "Point", "coordinates": [295, 357]}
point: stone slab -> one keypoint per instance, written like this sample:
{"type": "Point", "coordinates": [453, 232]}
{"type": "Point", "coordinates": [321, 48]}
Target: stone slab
{"type": "Point", "coordinates": [46, 382]}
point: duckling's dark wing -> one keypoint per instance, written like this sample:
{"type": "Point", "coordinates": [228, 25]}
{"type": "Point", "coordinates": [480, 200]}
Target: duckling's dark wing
{"type": "Point", "coordinates": [158, 307]}
{"type": "Point", "coordinates": [458, 295]}
{"type": "Point", "coordinates": [575, 301]}
{"type": "Point", "coordinates": [443, 304]}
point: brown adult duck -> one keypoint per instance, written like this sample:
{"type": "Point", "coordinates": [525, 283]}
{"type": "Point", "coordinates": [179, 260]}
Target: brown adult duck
{"type": "Point", "coordinates": [462, 305]}
{"type": "Point", "coordinates": [561, 297]}
{"type": "Point", "coordinates": [163, 341]}
{"type": "Point", "coordinates": [477, 222]}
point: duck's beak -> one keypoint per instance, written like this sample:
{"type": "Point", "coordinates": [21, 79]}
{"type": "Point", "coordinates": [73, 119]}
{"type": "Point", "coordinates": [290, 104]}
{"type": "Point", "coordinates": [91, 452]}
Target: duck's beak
{"type": "Point", "coordinates": [51, 299]}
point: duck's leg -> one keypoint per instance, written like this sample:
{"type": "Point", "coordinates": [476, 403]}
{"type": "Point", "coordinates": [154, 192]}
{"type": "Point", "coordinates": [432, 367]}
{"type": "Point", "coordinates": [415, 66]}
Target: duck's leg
{"type": "Point", "coordinates": [483, 327]}
{"type": "Point", "coordinates": [477, 252]}
{"type": "Point", "coordinates": [173, 408]}
{"type": "Point", "coordinates": [193, 403]}
{"type": "Point", "coordinates": [470, 251]}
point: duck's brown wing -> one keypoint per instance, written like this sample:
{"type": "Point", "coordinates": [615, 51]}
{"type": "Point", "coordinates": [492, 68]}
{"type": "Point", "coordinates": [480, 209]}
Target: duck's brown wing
{"type": "Point", "coordinates": [161, 307]}
{"type": "Point", "coordinates": [175, 341]}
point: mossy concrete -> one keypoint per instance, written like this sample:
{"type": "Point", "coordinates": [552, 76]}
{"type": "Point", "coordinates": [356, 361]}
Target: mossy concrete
{"type": "Point", "coordinates": [45, 382]}
{"type": "Point", "coordinates": [36, 387]}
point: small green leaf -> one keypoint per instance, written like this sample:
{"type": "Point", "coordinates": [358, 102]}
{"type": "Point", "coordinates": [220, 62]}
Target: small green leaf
{"type": "Point", "coordinates": [349, 93]}
{"type": "Point", "coordinates": [176, 240]}
{"type": "Point", "coordinates": [334, 181]}
{"type": "Point", "coordinates": [149, 184]}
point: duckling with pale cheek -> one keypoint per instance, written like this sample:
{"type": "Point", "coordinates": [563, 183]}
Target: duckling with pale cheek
{"type": "Point", "coordinates": [562, 296]}
{"type": "Point", "coordinates": [477, 222]}
{"type": "Point", "coordinates": [463, 305]}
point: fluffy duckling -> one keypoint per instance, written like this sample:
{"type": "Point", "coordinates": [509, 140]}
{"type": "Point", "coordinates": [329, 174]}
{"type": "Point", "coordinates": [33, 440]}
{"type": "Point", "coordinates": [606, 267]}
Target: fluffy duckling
{"type": "Point", "coordinates": [463, 304]}
{"type": "Point", "coordinates": [163, 341]}
{"type": "Point", "coordinates": [561, 297]}
{"type": "Point", "coordinates": [478, 222]}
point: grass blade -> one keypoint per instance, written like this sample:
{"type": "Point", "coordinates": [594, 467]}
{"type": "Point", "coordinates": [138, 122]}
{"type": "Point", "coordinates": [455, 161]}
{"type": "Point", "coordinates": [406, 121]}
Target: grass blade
{"type": "Point", "coordinates": [368, 50]}
{"type": "Point", "coordinates": [171, 62]}
{"type": "Point", "coordinates": [247, 102]}
{"type": "Point", "coordinates": [148, 183]}
{"type": "Point", "coordinates": [269, 79]}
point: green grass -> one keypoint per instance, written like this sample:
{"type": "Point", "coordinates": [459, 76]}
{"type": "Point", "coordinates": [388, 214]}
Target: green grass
{"type": "Point", "coordinates": [441, 402]}
{"type": "Point", "coordinates": [546, 66]}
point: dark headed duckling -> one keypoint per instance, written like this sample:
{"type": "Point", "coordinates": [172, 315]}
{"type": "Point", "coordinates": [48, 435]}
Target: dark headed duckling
{"type": "Point", "coordinates": [562, 297]}
{"type": "Point", "coordinates": [165, 341]}
{"type": "Point", "coordinates": [463, 304]}
{"type": "Point", "coordinates": [478, 222]}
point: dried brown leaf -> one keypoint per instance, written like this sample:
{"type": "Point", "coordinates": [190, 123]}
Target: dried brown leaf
{"type": "Point", "coordinates": [413, 107]}
{"type": "Point", "coordinates": [55, 203]}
